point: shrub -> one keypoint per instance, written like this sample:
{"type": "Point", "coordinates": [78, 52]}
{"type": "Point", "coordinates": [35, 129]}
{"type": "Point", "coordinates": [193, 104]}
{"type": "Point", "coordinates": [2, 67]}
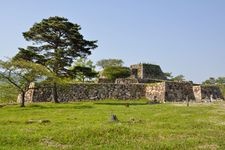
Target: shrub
{"type": "Point", "coordinates": [8, 93]}
{"type": "Point", "coordinates": [116, 72]}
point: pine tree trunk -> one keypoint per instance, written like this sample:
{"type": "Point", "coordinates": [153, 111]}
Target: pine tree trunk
{"type": "Point", "coordinates": [22, 99]}
{"type": "Point", "coordinates": [54, 93]}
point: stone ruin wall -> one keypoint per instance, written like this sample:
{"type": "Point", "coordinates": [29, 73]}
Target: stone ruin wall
{"type": "Point", "coordinates": [215, 91]}
{"type": "Point", "coordinates": [155, 91]}
{"type": "Point", "coordinates": [28, 95]}
{"type": "Point", "coordinates": [178, 91]}
{"type": "Point", "coordinates": [205, 92]}
{"type": "Point", "coordinates": [152, 72]}
{"type": "Point", "coordinates": [126, 81]}
{"type": "Point", "coordinates": [161, 91]}
{"type": "Point", "coordinates": [197, 93]}
{"type": "Point", "coordinates": [147, 71]}
{"type": "Point", "coordinates": [136, 71]}
{"type": "Point", "coordinates": [105, 80]}
{"type": "Point", "coordinates": [78, 92]}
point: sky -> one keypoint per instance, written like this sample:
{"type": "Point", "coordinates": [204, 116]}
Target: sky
{"type": "Point", "coordinates": [182, 36]}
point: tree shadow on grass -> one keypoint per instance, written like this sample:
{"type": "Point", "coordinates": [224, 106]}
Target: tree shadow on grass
{"type": "Point", "coordinates": [7, 104]}
{"type": "Point", "coordinates": [56, 106]}
{"type": "Point", "coordinates": [119, 104]}
{"type": "Point", "coordinates": [1, 105]}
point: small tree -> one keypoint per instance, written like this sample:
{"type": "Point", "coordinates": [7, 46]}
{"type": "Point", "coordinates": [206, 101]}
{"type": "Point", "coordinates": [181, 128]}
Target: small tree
{"type": "Point", "coordinates": [210, 81]}
{"type": "Point", "coordinates": [81, 73]}
{"type": "Point", "coordinates": [179, 78]}
{"type": "Point", "coordinates": [20, 74]}
{"type": "Point", "coordinates": [213, 81]}
{"type": "Point", "coordinates": [109, 63]}
{"type": "Point", "coordinates": [168, 75]}
{"type": "Point", "coordinates": [83, 69]}
{"type": "Point", "coordinates": [220, 80]}
{"type": "Point", "coordinates": [116, 72]}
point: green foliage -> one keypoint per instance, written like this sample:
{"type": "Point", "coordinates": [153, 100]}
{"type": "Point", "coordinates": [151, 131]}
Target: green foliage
{"type": "Point", "coordinates": [168, 75]}
{"type": "Point", "coordinates": [116, 72]}
{"type": "Point", "coordinates": [81, 73]}
{"type": "Point", "coordinates": [83, 69]}
{"type": "Point", "coordinates": [222, 88]}
{"type": "Point", "coordinates": [210, 81]}
{"type": "Point", "coordinates": [220, 80]}
{"type": "Point", "coordinates": [56, 43]}
{"type": "Point", "coordinates": [104, 63]}
{"type": "Point", "coordinates": [84, 62]}
{"type": "Point", "coordinates": [178, 78]}
{"type": "Point", "coordinates": [213, 81]}
{"type": "Point", "coordinates": [8, 93]}
{"type": "Point", "coordinates": [86, 125]}
{"type": "Point", "coordinates": [29, 55]}
{"type": "Point", "coordinates": [20, 74]}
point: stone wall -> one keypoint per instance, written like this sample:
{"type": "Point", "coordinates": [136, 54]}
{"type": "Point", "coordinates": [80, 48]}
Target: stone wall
{"type": "Point", "coordinates": [126, 81]}
{"type": "Point", "coordinates": [155, 91]}
{"type": "Point", "coordinates": [205, 93]}
{"type": "Point", "coordinates": [178, 91]}
{"type": "Point", "coordinates": [197, 93]}
{"type": "Point", "coordinates": [28, 95]}
{"type": "Point", "coordinates": [160, 91]}
{"type": "Point", "coordinates": [151, 71]}
{"type": "Point", "coordinates": [42, 94]}
{"type": "Point", "coordinates": [147, 71]}
{"type": "Point", "coordinates": [105, 80]}
{"type": "Point", "coordinates": [137, 71]}
{"type": "Point", "coordinates": [77, 92]}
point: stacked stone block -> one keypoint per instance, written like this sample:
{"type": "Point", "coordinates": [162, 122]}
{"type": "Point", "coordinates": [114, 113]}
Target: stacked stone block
{"type": "Point", "coordinates": [78, 92]}
{"type": "Point", "coordinates": [207, 92]}
{"type": "Point", "coordinates": [161, 91]}
{"type": "Point", "coordinates": [147, 71]}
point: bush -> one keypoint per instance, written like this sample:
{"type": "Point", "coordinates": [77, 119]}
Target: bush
{"type": "Point", "coordinates": [222, 88]}
{"type": "Point", "coordinates": [8, 93]}
{"type": "Point", "coordinates": [113, 73]}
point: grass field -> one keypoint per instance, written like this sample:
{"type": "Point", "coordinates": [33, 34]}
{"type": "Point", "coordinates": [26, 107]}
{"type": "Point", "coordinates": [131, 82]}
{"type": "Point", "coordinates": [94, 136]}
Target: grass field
{"type": "Point", "coordinates": [87, 125]}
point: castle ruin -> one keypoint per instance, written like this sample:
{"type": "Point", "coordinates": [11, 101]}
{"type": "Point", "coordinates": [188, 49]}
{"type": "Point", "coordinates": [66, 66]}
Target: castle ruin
{"type": "Point", "coordinates": [146, 81]}
{"type": "Point", "coordinates": [146, 72]}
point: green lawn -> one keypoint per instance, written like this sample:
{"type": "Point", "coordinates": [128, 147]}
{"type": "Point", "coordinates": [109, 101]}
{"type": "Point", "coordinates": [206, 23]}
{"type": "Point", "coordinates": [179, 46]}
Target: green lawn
{"type": "Point", "coordinates": [87, 125]}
